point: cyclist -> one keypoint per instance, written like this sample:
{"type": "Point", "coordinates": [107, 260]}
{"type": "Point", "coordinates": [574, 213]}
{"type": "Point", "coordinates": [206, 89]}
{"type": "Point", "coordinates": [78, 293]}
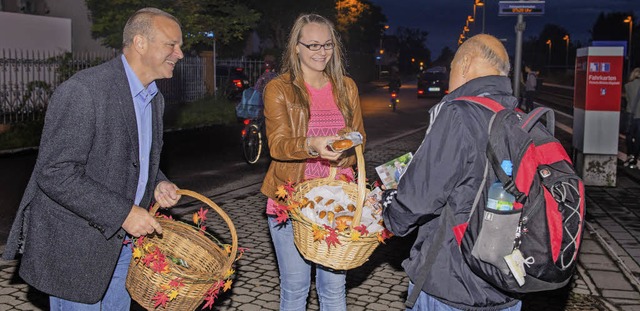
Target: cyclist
{"type": "Point", "coordinates": [394, 81]}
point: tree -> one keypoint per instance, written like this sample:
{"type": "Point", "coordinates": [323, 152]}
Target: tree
{"type": "Point", "coordinates": [229, 20]}
{"type": "Point", "coordinates": [362, 33]}
{"type": "Point", "coordinates": [279, 15]}
{"type": "Point", "coordinates": [411, 44]}
{"type": "Point", "coordinates": [537, 54]}
{"type": "Point", "coordinates": [445, 58]}
{"type": "Point", "coordinates": [611, 27]}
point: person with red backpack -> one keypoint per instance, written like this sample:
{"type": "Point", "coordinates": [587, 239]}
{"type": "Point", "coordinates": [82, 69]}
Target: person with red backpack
{"type": "Point", "coordinates": [495, 200]}
{"type": "Point", "coordinates": [445, 173]}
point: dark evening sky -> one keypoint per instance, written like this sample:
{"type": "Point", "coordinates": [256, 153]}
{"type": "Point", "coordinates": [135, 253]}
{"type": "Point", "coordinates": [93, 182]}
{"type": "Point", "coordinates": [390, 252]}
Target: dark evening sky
{"type": "Point", "coordinates": [444, 19]}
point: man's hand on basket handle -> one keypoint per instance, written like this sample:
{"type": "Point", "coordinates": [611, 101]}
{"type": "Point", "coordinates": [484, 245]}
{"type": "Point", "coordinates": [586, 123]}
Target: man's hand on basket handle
{"type": "Point", "coordinates": [165, 194]}
{"type": "Point", "coordinates": [140, 222]}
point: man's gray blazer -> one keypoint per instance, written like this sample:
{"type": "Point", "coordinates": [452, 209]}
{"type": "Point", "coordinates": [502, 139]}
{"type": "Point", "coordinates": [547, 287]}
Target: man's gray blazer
{"type": "Point", "coordinates": [68, 225]}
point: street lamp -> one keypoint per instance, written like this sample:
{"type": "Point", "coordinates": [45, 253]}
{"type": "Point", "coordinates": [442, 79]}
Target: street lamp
{"type": "Point", "coordinates": [479, 3]}
{"type": "Point", "coordinates": [629, 20]}
{"type": "Point", "coordinates": [211, 34]}
{"type": "Point", "coordinates": [382, 31]}
{"type": "Point", "coordinates": [549, 44]}
{"type": "Point", "coordinates": [566, 60]}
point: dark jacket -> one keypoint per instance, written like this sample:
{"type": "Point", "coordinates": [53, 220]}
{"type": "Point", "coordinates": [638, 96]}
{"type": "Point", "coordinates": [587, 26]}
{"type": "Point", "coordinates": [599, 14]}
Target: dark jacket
{"type": "Point", "coordinates": [69, 223]}
{"type": "Point", "coordinates": [287, 122]}
{"type": "Point", "coordinates": [447, 169]}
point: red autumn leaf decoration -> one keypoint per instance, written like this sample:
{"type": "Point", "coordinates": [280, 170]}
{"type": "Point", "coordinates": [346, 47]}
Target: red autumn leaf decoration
{"type": "Point", "coordinates": [202, 213]}
{"type": "Point", "coordinates": [160, 299]}
{"type": "Point", "coordinates": [140, 241]}
{"type": "Point", "coordinates": [289, 187]}
{"type": "Point", "coordinates": [176, 283]}
{"type": "Point", "coordinates": [282, 217]}
{"type": "Point", "coordinates": [332, 237]}
{"type": "Point", "coordinates": [345, 177]}
{"type": "Point", "coordinates": [362, 229]}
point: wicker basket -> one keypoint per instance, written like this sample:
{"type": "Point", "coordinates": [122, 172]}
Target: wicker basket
{"type": "Point", "coordinates": [348, 254]}
{"type": "Point", "coordinates": [208, 261]}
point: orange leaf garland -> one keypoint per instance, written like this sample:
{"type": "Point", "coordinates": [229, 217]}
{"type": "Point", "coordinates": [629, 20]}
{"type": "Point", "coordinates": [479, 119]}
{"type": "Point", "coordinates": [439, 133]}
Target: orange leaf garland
{"type": "Point", "coordinates": [355, 235]}
{"type": "Point", "coordinates": [227, 285]}
{"type": "Point", "coordinates": [281, 193]}
{"type": "Point", "coordinates": [318, 233]}
{"type": "Point", "coordinates": [341, 225]}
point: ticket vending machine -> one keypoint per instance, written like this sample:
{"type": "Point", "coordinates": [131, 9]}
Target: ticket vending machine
{"type": "Point", "coordinates": [596, 113]}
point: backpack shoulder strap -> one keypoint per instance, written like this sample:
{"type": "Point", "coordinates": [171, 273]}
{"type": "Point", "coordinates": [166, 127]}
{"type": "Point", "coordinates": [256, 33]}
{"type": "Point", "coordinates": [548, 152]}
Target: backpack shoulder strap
{"type": "Point", "coordinates": [483, 101]}
{"type": "Point", "coordinates": [532, 118]}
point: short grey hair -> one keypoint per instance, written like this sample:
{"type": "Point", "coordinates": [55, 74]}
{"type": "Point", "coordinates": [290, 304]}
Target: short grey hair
{"type": "Point", "coordinates": [476, 46]}
{"type": "Point", "coordinates": [141, 23]}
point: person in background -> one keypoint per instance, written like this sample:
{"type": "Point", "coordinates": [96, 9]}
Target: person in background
{"type": "Point", "coordinates": [632, 95]}
{"type": "Point", "coordinates": [97, 171]}
{"type": "Point", "coordinates": [267, 75]}
{"type": "Point", "coordinates": [530, 85]}
{"type": "Point", "coordinates": [306, 107]}
{"type": "Point", "coordinates": [394, 80]}
{"type": "Point", "coordinates": [446, 172]}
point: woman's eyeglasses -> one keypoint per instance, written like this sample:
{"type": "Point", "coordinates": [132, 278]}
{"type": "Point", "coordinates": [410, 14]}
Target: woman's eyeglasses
{"type": "Point", "coordinates": [316, 47]}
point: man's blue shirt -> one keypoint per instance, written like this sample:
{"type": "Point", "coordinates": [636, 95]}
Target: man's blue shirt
{"type": "Point", "coordinates": [142, 104]}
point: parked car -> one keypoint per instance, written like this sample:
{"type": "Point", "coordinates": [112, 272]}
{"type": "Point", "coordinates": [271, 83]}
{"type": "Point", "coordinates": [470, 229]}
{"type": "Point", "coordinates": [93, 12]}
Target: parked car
{"type": "Point", "coordinates": [433, 82]}
{"type": "Point", "coordinates": [231, 80]}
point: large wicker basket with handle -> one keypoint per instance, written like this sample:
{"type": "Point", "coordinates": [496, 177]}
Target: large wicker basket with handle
{"type": "Point", "coordinates": [207, 261]}
{"type": "Point", "coordinates": [349, 253]}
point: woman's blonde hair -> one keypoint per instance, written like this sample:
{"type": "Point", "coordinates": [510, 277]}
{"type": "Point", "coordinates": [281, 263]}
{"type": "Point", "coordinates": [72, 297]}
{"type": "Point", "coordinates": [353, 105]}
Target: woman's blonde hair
{"type": "Point", "coordinates": [334, 70]}
{"type": "Point", "coordinates": [635, 73]}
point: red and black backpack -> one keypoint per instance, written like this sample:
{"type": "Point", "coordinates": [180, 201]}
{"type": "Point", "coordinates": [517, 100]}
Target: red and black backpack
{"type": "Point", "coordinates": [546, 223]}
{"type": "Point", "coordinates": [547, 220]}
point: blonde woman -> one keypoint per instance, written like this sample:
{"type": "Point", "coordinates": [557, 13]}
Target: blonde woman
{"type": "Point", "coordinates": [632, 93]}
{"type": "Point", "coordinates": [306, 107]}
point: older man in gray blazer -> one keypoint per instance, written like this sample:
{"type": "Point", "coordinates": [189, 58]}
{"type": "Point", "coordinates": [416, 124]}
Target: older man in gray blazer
{"type": "Point", "coordinates": [97, 168]}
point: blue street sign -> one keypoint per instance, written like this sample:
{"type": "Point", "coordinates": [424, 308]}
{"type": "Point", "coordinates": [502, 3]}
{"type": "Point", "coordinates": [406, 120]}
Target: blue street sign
{"type": "Point", "coordinates": [521, 8]}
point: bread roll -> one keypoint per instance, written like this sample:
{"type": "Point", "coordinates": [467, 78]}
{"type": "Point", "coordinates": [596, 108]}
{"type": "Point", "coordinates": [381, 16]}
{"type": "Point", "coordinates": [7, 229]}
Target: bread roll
{"type": "Point", "coordinates": [346, 219]}
{"type": "Point", "coordinates": [342, 144]}
{"type": "Point", "coordinates": [330, 216]}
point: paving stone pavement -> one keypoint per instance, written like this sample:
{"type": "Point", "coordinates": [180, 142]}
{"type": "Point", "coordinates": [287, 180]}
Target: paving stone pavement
{"type": "Point", "coordinates": [606, 278]}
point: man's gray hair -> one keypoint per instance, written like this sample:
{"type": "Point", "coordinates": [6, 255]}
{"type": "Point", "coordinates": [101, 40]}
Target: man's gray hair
{"type": "Point", "coordinates": [141, 23]}
{"type": "Point", "coordinates": [476, 46]}
{"type": "Point", "coordinates": [496, 61]}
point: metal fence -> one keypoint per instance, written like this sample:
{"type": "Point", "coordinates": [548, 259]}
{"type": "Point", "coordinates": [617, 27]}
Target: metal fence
{"type": "Point", "coordinates": [28, 78]}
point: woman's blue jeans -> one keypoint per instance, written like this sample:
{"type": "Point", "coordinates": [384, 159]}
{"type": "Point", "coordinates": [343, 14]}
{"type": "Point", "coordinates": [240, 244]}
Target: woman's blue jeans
{"type": "Point", "coordinates": [116, 298]}
{"type": "Point", "coordinates": [425, 302]}
{"type": "Point", "coordinates": [295, 274]}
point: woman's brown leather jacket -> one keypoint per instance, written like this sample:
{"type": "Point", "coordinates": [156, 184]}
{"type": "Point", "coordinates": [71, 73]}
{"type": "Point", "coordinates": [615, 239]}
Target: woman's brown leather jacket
{"type": "Point", "coordinates": [287, 123]}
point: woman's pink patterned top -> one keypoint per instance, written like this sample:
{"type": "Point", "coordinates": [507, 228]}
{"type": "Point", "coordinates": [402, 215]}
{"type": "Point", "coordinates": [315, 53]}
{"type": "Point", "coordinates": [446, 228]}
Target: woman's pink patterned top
{"type": "Point", "coordinates": [325, 120]}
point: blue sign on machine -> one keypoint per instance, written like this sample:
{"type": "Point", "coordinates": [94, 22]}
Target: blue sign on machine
{"type": "Point", "coordinates": [521, 7]}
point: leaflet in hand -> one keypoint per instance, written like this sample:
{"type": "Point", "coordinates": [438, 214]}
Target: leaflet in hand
{"type": "Point", "coordinates": [391, 171]}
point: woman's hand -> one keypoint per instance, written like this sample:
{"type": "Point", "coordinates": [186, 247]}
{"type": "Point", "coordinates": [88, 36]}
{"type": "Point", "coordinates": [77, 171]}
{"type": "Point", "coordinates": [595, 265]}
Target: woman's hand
{"type": "Point", "coordinates": [319, 144]}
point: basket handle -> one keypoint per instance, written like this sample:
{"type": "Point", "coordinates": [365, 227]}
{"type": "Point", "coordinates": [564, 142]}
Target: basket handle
{"type": "Point", "coordinates": [217, 209]}
{"type": "Point", "coordinates": [362, 179]}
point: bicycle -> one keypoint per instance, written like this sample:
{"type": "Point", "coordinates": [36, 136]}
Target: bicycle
{"type": "Point", "coordinates": [253, 139]}
{"type": "Point", "coordinates": [394, 100]}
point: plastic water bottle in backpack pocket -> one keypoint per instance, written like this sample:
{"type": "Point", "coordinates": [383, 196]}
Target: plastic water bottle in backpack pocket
{"type": "Point", "coordinates": [496, 237]}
